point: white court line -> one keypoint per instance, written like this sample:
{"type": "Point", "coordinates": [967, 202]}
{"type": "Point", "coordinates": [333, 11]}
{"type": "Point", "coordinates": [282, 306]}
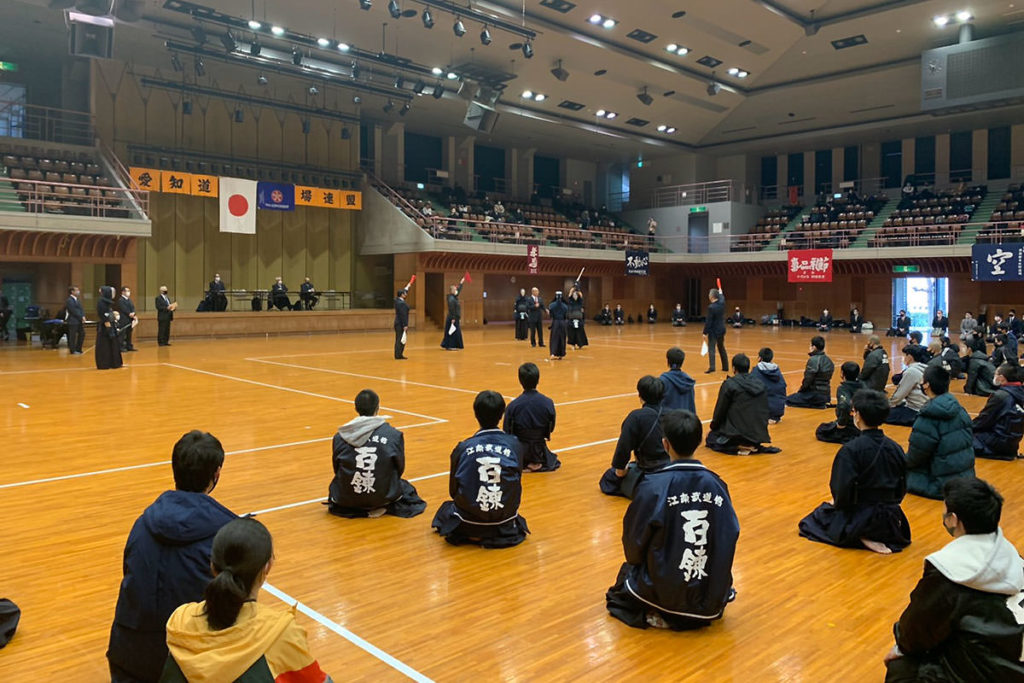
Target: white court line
{"type": "Point", "coordinates": [63, 370]}
{"type": "Point", "coordinates": [321, 499]}
{"type": "Point", "coordinates": [348, 635]}
{"type": "Point", "coordinates": [382, 350]}
{"type": "Point", "coordinates": [374, 377]}
{"type": "Point", "coordinates": [299, 391]}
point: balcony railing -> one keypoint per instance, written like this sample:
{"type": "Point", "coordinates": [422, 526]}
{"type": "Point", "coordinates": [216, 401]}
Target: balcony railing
{"type": "Point", "coordinates": [49, 124]}
{"type": "Point", "coordinates": [33, 196]}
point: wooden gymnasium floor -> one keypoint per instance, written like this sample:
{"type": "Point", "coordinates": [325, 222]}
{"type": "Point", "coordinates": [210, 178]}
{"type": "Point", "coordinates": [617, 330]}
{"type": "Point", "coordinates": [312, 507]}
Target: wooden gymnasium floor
{"type": "Point", "coordinates": [85, 451]}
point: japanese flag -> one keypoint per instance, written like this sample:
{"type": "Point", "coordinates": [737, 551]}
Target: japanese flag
{"type": "Point", "coordinates": [238, 205]}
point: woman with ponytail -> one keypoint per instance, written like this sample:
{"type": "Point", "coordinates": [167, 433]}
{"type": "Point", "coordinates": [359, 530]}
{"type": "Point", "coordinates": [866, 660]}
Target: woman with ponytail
{"type": "Point", "coordinates": [230, 636]}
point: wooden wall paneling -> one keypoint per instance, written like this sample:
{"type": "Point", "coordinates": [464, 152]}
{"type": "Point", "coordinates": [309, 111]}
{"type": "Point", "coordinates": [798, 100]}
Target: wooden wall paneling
{"type": "Point", "coordinates": [293, 142]}
{"type": "Point", "coordinates": [193, 126]}
{"type": "Point", "coordinates": [217, 122]}
{"type": "Point", "coordinates": [269, 249]}
{"type": "Point", "coordinates": [318, 246]}
{"type": "Point", "coordinates": [268, 146]}
{"type": "Point", "coordinates": [160, 249]}
{"type": "Point", "coordinates": [244, 263]}
{"type": "Point", "coordinates": [316, 143]}
{"type": "Point", "coordinates": [343, 257]}
{"type": "Point", "coordinates": [218, 256]}
{"type": "Point", "coordinates": [190, 261]}
{"type": "Point", "coordinates": [129, 110]}
{"type": "Point", "coordinates": [161, 118]}
{"type": "Point", "coordinates": [244, 135]}
{"type": "Point", "coordinates": [293, 248]}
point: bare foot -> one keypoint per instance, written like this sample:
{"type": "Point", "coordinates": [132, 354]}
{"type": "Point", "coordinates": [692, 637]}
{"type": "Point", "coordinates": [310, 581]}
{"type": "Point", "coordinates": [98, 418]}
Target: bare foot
{"type": "Point", "coordinates": [875, 546]}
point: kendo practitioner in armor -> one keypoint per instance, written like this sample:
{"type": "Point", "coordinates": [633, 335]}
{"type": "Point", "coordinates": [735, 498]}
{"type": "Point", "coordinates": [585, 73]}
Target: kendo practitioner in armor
{"type": "Point", "coordinates": [521, 314]}
{"type": "Point", "coordinates": [559, 312]}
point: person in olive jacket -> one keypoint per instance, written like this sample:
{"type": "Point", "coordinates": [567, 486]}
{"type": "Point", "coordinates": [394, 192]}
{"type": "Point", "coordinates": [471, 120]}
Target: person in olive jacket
{"type": "Point", "coordinates": [816, 389]}
{"type": "Point", "coordinates": [875, 372]}
{"type": "Point", "coordinates": [941, 443]}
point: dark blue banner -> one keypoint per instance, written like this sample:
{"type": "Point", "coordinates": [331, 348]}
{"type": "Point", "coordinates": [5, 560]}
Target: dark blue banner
{"type": "Point", "coordinates": [637, 262]}
{"type": "Point", "coordinates": [997, 262]}
{"type": "Point", "coordinates": [275, 196]}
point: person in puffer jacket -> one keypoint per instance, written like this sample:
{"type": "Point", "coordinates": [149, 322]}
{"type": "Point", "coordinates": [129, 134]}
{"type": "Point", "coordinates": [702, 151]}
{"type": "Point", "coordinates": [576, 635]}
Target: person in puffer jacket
{"type": "Point", "coordinates": [908, 399]}
{"type": "Point", "coordinates": [816, 389]}
{"type": "Point", "coordinates": [941, 445]}
{"type": "Point", "coordinates": [999, 426]}
{"type": "Point", "coordinates": [774, 384]}
{"type": "Point", "coordinates": [875, 373]}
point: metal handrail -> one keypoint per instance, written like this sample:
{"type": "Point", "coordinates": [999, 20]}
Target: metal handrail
{"type": "Point", "coordinates": [39, 196]}
{"type": "Point", "coordinates": [48, 124]}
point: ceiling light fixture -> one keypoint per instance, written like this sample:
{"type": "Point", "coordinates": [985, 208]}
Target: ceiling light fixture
{"type": "Point", "coordinates": [365, 4]}
{"type": "Point", "coordinates": [262, 80]}
{"type": "Point", "coordinates": [963, 16]}
{"type": "Point", "coordinates": [940, 20]}
{"type": "Point", "coordinates": [200, 67]}
{"type": "Point", "coordinates": [388, 106]}
{"type": "Point", "coordinates": [255, 25]}
{"type": "Point", "coordinates": [677, 49]}
{"type": "Point", "coordinates": [176, 63]}
{"type": "Point", "coordinates": [539, 97]}
{"type": "Point", "coordinates": [644, 98]}
{"type": "Point", "coordinates": [394, 10]}
{"type": "Point", "coordinates": [601, 20]}
{"type": "Point", "coordinates": [438, 91]}
{"type": "Point", "coordinates": [405, 109]}
{"type": "Point", "coordinates": [428, 18]}
{"type": "Point", "coordinates": [485, 36]}
{"type": "Point", "coordinates": [528, 50]}
{"type": "Point", "coordinates": [458, 28]}
{"type": "Point", "coordinates": [277, 30]}
{"type": "Point", "coordinates": [528, 94]}
{"type": "Point", "coordinates": [452, 76]}
{"type": "Point", "coordinates": [323, 42]}
{"type": "Point", "coordinates": [399, 81]}
{"type": "Point", "coordinates": [343, 47]}
{"type": "Point", "coordinates": [670, 130]}
{"type": "Point", "coordinates": [255, 48]}
{"type": "Point", "coordinates": [437, 71]}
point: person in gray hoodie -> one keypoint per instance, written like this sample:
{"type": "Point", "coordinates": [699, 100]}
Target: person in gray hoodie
{"type": "Point", "coordinates": [369, 460]}
{"type": "Point", "coordinates": [740, 423]}
{"type": "Point", "coordinates": [774, 384]}
{"type": "Point", "coordinates": [963, 623]}
{"type": "Point", "coordinates": [967, 327]}
{"type": "Point", "coordinates": [909, 398]}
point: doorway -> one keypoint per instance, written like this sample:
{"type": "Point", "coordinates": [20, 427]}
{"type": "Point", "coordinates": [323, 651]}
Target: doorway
{"type": "Point", "coordinates": [920, 297]}
{"type": "Point", "coordinates": [697, 232]}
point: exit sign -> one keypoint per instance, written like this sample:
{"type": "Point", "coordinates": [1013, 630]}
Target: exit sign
{"type": "Point", "coordinates": [8, 66]}
{"type": "Point", "coordinates": [698, 209]}
{"type": "Point", "coordinates": [906, 269]}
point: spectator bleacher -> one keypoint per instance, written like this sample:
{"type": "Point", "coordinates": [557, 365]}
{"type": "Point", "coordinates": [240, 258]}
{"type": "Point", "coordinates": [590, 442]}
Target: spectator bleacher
{"type": "Point", "coordinates": [60, 181]}
{"type": "Point", "coordinates": [767, 227]}
{"type": "Point", "coordinates": [927, 218]}
{"type": "Point", "coordinates": [835, 221]}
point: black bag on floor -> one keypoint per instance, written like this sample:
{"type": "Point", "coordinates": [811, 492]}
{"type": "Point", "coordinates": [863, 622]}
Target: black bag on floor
{"type": "Point", "coordinates": [10, 615]}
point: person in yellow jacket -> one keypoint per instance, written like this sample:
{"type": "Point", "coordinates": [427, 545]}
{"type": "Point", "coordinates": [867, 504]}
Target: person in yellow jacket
{"type": "Point", "coordinates": [231, 637]}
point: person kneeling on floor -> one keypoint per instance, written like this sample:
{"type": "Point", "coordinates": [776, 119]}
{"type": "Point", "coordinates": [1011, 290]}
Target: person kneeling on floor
{"type": "Point", "coordinates": [739, 425]}
{"type": "Point", "coordinates": [679, 537]}
{"type": "Point", "coordinates": [843, 429]}
{"type": "Point", "coordinates": [816, 389]}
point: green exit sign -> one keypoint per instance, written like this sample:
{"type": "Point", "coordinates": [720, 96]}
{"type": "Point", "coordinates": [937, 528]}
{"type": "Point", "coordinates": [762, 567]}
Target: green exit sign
{"type": "Point", "coordinates": [698, 209]}
{"type": "Point", "coordinates": [906, 269]}
{"type": "Point", "coordinates": [8, 66]}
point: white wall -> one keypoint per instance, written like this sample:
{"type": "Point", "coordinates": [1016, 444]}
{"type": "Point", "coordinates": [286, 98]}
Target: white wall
{"type": "Point", "coordinates": [673, 223]}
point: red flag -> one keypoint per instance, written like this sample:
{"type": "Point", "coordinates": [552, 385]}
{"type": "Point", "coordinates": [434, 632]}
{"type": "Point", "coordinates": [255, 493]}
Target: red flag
{"type": "Point", "coordinates": [412, 279]}
{"type": "Point", "coordinates": [718, 284]}
{"type": "Point", "coordinates": [467, 277]}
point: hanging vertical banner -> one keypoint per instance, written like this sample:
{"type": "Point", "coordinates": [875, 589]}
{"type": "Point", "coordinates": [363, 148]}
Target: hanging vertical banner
{"type": "Point", "coordinates": [637, 262]}
{"type": "Point", "coordinates": [177, 183]}
{"type": "Point", "coordinates": [809, 265]}
{"type": "Point", "coordinates": [532, 258]}
{"type": "Point", "coordinates": [275, 196]}
{"type": "Point", "coordinates": [204, 185]}
{"type": "Point", "coordinates": [238, 205]}
{"type": "Point", "coordinates": [997, 262]}
{"type": "Point", "coordinates": [146, 178]}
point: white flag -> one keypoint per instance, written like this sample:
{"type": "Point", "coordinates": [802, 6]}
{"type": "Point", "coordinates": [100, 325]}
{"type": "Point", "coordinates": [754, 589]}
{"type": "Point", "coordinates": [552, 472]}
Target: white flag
{"type": "Point", "coordinates": [451, 330]}
{"type": "Point", "coordinates": [405, 336]}
{"type": "Point", "coordinates": [238, 205]}
{"type": "Point", "coordinates": [703, 348]}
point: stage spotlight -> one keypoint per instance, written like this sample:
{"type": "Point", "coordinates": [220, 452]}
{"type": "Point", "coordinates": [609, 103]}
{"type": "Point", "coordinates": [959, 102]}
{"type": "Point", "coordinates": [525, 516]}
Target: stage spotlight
{"type": "Point", "coordinates": [418, 87]}
{"type": "Point", "coordinates": [485, 36]}
{"type": "Point", "coordinates": [394, 10]}
{"type": "Point", "coordinates": [323, 42]}
{"type": "Point", "coordinates": [940, 20]}
{"type": "Point", "coordinates": [296, 56]}
{"type": "Point", "coordinates": [458, 28]}
{"type": "Point", "coordinates": [528, 50]}
{"type": "Point", "coordinates": [560, 73]}
{"type": "Point", "coordinates": [313, 90]}
{"type": "Point", "coordinates": [255, 48]}
{"type": "Point", "coordinates": [239, 116]}
{"type": "Point", "coordinates": [262, 80]}
{"type": "Point", "coordinates": [355, 69]}
{"type": "Point", "coordinates": [176, 63]}
{"type": "Point", "coordinates": [199, 34]}
{"type": "Point", "coordinates": [713, 89]}
{"type": "Point", "coordinates": [399, 81]}
{"type": "Point", "coordinates": [438, 91]}
{"type": "Point", "coordinates": [437, 71]}
{"type": "Point", "coordinates": [404, 110]}
{"type": "Point", "coordinates": [277, 30]}
{"type": "Point", "coordinates": [644, 98]}
{"type": "Point", "coordinates": [356, 99]}
{"type": "Point", "coordinates": [228, 41]}
{"type": "Point", "coordinates": [200, 67]}
{"type": "Point", "coordinates": [255, 25]}
{"type": "Point", "coordinates": [365, 4]}
{"type": "Point", "coordinates": [388, 107]}
{"type": "Point", "coordinates": [428, 18]}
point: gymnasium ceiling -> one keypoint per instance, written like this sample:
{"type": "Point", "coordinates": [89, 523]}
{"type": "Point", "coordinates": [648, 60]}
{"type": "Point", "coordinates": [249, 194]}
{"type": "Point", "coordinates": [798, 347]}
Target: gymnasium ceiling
{"type": "Point", "coordinates": [799, 86]}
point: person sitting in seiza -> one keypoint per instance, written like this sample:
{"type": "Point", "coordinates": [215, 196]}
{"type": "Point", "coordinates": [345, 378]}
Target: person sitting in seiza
{"type": "Point", "coordinates": [679, 537]}
{"type": "Point", "coordinates": [530, 417]}
{"type": "Point", "coordinates": [739, 425]}
{"type": "Point", "coordinates": [908, 399]}
{"type": "Point", "coordinates": [678, 316]}
{"type": "Point", "coordinates": [485, 483]}
{"type": "Point", "coordinates": [875, 373]}
{"type": "Point", "coordinates": [843, 429]}
{"type": "Point", "coordinates": [605, 316]}
{"type": "Point", "coordinates": [964, 621]}
{"type": "Point", "coordinates": [619, 314]}
{"type": "Point", "coordinates": [678, 384]}
{"type": "Point", "coordinates": [868, 483]}
{"type": "Point", "coordinates": [774, 384]}
{"type": "Point", "coordinates": [825, 321]}
{"type": "Point", "coordinates": [999, 426]}
{"type": "Point", "coordinates": [941, 446]}
{"type": "Point", "coordinates": [981, 374]}
{"type": "Point", "coordinates": [816, 389]}
{"type": "Point", "coordinates": [856, 321]}
{"type": "Point", "coordinates": [640, 437]}
{"type": "Point", "coordinates": [368, 456]}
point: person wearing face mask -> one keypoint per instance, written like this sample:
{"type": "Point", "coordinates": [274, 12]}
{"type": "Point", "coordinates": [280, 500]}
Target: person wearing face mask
{"type": "Point", "coordinates": [999, 426]}
{"type": "Point", "coordinates": [164, 315]}
{"type": "Point", "coordinates": [964, 621]}
{"type": "Point", "coordinates": [218, 300]}
{"type": "Point", "coordinates": [127, 309]}
{"type": "Point", "coordinates": [167, 559]}
{"type": "Point", "coordinates": [868, 483]}
{"type": "Point", "coordinates": [521, 312]}
{"type": "Point", "coordinates": [108, 344]}
{"type": "Point", "coordinates": [941, 445]}
{"type": "Point", "coordinates": [908, 399]}
{"type": "Point", "coordinates": [559, 312]}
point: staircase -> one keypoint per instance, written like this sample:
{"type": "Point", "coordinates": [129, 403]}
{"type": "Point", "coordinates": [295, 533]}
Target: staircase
{"type": "Point", "coordinates": [8, 197]}
{"type": "Point", "coordinates": [981, 214]}
{"type": "Point", "coordinates": [798, 220]}
{"type": "Point", "coordinates": [864, 238]}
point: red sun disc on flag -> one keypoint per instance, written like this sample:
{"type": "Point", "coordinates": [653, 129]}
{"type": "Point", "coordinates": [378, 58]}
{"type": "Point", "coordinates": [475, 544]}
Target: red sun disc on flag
{"type": "Point", "coordinates": [277, 196]}
{"type": "Point", "coordinates": [238, 205]}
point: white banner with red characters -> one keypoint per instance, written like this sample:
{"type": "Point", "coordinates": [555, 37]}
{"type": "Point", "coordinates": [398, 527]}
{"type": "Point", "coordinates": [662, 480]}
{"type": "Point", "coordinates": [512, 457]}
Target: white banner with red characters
{"type": "Point", "coordinates": [810, 265]}
{"type": "Point", "coordinates": [532, 258]}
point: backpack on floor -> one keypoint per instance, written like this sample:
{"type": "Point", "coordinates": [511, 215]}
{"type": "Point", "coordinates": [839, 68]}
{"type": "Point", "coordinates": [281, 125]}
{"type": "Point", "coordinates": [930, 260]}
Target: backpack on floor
{"type": "Point", "coordinates": [10, 615]}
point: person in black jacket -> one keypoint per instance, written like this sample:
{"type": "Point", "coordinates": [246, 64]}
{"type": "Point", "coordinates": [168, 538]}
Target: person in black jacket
{"type": "Point", "coordinates": [714, 331]}
{"type": "Point", "coordinates": [167, 559]}
{"type": "Point", "coordinates": [825, 321]}
{"type": "Point", "coordinates": [868, 483]}
{"type": "Point", "coordinates": [75, 317]}
{"type": "Point", "coordinates": [5, 316]}
{"type": "Point", "coordinates": [453, 322]}
{"type": "Point", "coordinates": [739, 425]}
{"type": "Point", "coordinates": [605, 316]}
{"type": "Point", "coordinates": [619, 315]}
{"type": "Point", "coordinates": [652, 314]}
{"type": "Point", "coordinates": [999, 427]}
{"type": "Point", "coordinates": [875, 373]}
{"type": "Point", "coordinates": [639, 437]}
{"type": "Point", "coordinates": [679, 537]}
{"type": "Point", "coordinates": [279, 296]}
{"type": "Point", "coordinates": [401, 321]}
{"type": "Point", "coordinates": [535, 318]}
{"type": "Point", "coordinates": [816, 389]}
{"type": "Point", "coordinates": [521, 313]}
{"type": "Point", "coordinates": [901, 328]}
{"type": "Point", "coordinates": [530, 417]}
{"type": "Point", "coordinates": [951, 357]}
{"type": "Point", "coordinates": [843, 429]}
{"type": "Point", "coordinates": [856, 321]}
{"type": "Point", "coordinates": [307, 295]}
{"type": "Point", "coordinates": [940, 324]}
{"type": "Point", "coordinates": [678, 316]}
{"type": "Point", "coordinates": [164, 315]}
{"type": "Point", "coordinates": [736, 319]}
{"type": "Point", "coordinates": [368, 456]}
{"type": "Point", "coordinates": [216, 294]}
{"type": "Point", "coordinates": [964, 622]}
{"type": "Point", "coordinates": [127, 309]}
